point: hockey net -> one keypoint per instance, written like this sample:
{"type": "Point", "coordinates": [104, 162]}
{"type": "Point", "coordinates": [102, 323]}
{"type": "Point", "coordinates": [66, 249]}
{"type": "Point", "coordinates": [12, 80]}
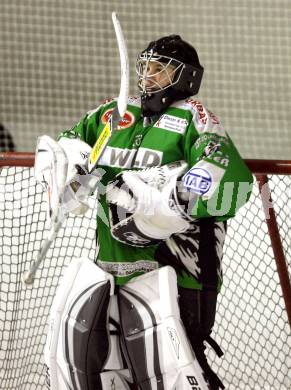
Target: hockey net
{"type": "Point", "coordinates": [253, 309]}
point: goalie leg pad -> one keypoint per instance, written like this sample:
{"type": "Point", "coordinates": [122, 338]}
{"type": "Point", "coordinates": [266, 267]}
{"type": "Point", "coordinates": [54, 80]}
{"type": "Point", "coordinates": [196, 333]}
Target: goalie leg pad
{"type": "Point", "coordinates": [77, 346]}
{"type": "Point", "coordinates": [158, 350]}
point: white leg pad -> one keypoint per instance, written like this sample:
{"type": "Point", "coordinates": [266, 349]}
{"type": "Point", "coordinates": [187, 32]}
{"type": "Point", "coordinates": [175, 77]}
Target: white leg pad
{"type": "Point", "coordinates": [158, 349]}
{"type": "Point", "coordinates": [77, 326]}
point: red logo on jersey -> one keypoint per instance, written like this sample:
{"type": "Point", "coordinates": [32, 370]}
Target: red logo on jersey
{"type": "Point", "coordinates": [126, 121]}
{"type": "Point", "coordinates": [199, 107]}
{"type": "Point", "coordinates": [202, 112]}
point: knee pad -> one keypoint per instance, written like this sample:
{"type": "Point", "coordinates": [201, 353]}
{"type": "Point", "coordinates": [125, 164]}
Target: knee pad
{"type": "Point", "coordinates": [157, 348]}
{"type": "Point", "coordinates": [79, 346]}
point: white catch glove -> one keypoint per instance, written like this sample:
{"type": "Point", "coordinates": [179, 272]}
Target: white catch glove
{"type": "Point", "coordinates": [80, 184]}
{"type": "Point", "coordinates": [57, 166]}
{"type": "Point", "coordinates": [149, 198]}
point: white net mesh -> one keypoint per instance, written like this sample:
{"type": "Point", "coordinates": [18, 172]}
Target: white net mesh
{"type": "Point", "coordinates": [251, 323]}
{"type": "Point", "coordinates": [59, 59]}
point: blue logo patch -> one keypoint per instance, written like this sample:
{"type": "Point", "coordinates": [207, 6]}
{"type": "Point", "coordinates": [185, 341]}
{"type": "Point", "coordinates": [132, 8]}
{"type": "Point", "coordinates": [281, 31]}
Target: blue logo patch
{"type": "Point", "coordinates": [197, 180]}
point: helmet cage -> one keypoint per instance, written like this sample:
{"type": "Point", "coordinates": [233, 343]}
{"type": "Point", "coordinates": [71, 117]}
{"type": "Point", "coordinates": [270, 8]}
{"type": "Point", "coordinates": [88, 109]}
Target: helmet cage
{"type": "Point", "coordinates": [170, 68]}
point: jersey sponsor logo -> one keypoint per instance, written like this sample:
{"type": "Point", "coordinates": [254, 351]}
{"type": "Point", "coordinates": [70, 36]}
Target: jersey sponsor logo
{"type": "Point", "coordinates": [172, 123]}
{"type": "Point", "coordinates": [147, 158]}
{"type": "Point", "coordinates": [212, 152]}
{"type": "Point", "coordinates": [211, 148]}
{"type": "Point", "coordinates": [204, 114]}
{"type": "Point", "coordinates": [221, 159]}
{"type": "Point", "coordinates": [129, 158]}
{"type": "Point", "coordinates": [206, 138]}
{"type": "Point", "coordinates": [200, 109]}
{"type": "Point", "coordinates": [127, 120]}
{"type": "Point", "coordinates": [123, 269]}
{"type": "Point", "coordinates": [198, 180]}
{"type": "Point", "coordinates": [117, 157]}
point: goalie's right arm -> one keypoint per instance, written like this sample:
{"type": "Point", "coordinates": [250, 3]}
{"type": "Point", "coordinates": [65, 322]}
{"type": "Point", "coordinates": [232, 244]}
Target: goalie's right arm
{"type": "Point", "coordinates": [74, 147]}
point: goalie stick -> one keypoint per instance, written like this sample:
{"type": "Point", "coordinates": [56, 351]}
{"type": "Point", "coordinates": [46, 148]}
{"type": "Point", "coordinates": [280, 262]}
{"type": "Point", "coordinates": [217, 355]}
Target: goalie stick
{"type": "Point", "coordinates": [120, 109]}
{"type": "Point", "coordinates": [97, 149]}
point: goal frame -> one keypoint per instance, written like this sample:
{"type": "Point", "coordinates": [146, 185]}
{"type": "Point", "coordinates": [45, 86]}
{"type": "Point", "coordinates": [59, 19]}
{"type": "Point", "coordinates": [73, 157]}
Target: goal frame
{"type": "Point", "coordinates": [261, 169]}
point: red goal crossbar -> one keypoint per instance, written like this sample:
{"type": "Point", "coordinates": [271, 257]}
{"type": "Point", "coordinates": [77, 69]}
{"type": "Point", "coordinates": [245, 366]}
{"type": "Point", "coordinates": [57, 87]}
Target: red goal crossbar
{"type": "Point", "coordinates": [257, 166]}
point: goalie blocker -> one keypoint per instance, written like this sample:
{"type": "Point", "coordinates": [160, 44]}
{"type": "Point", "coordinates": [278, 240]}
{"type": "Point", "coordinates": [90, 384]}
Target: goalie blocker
{"type": "Point", "coordinates": [150, 205]}
{"type": "Point", "coordinates": [144, 207]}
{"type": "Point", "coordinates": [98, 340]}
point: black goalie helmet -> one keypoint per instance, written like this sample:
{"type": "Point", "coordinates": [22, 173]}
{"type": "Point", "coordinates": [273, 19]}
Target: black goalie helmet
{"type": "Point", "coordinates": [168, 70]}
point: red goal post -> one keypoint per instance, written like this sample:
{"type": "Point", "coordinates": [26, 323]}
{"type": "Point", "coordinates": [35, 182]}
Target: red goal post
{"type": "Point", "coordinates": [254, 307]}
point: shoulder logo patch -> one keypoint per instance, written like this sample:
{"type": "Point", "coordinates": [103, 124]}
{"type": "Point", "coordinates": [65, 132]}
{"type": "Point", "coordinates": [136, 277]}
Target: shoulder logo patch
{"type": "Point", "coordinates": [126, 121]}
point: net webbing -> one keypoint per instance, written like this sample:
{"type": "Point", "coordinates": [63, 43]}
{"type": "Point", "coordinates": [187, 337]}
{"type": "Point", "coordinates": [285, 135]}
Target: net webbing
{"type": "Point", "coordinates": [24, 310]}
{"type": "Point", "coordinates": [251, 324]}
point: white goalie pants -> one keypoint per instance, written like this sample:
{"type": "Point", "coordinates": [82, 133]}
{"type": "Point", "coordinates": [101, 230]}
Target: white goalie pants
{"type": "Point", "coordinates": [99, 340]}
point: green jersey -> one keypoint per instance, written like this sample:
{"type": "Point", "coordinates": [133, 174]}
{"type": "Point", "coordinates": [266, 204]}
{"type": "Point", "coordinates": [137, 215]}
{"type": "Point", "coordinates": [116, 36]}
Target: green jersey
{"type": "Point", "coordinates": [186, 130]}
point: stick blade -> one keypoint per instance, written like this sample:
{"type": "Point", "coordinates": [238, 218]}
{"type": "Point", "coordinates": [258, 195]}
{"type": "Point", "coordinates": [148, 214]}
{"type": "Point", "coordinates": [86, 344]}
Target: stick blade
{"type": "Point", "coordinates": [124, 66]}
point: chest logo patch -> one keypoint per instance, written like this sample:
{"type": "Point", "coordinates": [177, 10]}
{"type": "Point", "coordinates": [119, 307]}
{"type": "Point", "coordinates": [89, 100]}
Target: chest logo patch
{"type": "Point", "coordinates": [126, 121]}
{"type": "Point", "coordinates": [198, 180]}
{"type": "Point", "coordinates": [172, 123]}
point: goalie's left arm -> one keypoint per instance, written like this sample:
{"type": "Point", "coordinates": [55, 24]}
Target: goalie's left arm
{"type": "Point", "coordinates": [217, 175]}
